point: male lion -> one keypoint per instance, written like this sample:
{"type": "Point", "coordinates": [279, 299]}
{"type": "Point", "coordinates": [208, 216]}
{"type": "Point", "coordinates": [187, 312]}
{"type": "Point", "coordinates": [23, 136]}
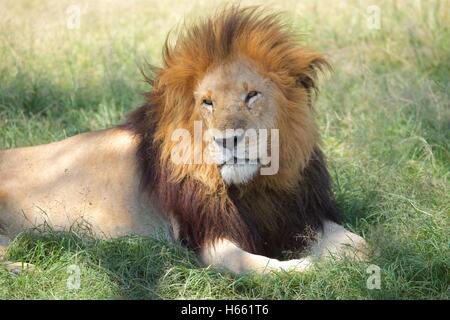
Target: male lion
{"type": "Point", "coordinates": [240, 69]}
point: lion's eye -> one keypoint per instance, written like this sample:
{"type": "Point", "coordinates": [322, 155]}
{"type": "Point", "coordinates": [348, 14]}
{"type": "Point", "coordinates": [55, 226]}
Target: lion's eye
{"type": "Point", "coordinates": [251, 96]}
{"type": "Point", "coordinates": [208, 104]}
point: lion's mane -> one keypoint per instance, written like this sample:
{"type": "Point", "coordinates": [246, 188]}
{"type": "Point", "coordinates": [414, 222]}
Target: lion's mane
{"type": "Point", "coordinates": [271, 214]}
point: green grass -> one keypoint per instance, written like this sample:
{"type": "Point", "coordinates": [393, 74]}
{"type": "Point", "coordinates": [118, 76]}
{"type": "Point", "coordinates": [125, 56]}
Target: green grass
{"type": "Point", "coordinates": [384, 115]}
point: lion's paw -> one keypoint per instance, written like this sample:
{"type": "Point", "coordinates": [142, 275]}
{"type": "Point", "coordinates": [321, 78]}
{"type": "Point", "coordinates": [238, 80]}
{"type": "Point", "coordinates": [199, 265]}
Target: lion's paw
{"type": "Point", "coordinates": [355, 247]}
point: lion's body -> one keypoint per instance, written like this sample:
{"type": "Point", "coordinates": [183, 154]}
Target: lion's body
{"type": "Point", "coordinates": [91, 177]}
{"type": "Point", "coordinates": [96, 178]}
{"type": "Point", "coordinates": [240, 70]}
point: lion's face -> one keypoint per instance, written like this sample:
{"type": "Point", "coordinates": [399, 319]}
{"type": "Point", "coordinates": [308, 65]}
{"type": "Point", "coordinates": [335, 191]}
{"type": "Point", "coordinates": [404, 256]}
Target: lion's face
{"type": "Point", "coordinates": [238, 106]}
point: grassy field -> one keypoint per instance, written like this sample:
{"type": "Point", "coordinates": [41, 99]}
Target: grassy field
{"type": "Point", "coordinates": [384, 115]}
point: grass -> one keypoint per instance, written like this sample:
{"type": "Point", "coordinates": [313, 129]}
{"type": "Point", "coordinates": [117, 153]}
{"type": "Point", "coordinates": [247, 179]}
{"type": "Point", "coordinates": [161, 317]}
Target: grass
{"type": "Point", "coordinates": [384, 115]}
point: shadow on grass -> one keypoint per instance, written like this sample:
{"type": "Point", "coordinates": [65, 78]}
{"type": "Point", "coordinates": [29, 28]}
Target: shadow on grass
{"type": "Point", "coordinates": [133, 263]}
{"type": "Point", "coordinates": [144, 268]}
{"type": "Point", "coordinates": [44, 96]}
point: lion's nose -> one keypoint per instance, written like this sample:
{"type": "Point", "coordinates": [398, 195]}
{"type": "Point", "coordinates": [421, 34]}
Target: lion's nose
{"type": "Point", "coordinates": [229, 142]}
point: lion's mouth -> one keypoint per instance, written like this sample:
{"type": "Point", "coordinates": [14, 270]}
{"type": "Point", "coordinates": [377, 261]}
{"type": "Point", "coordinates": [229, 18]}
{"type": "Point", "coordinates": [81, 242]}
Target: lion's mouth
{"type": "Point", "coordinates": [239, 170]}
{"type": "Point", "coordinates": [239, 161]}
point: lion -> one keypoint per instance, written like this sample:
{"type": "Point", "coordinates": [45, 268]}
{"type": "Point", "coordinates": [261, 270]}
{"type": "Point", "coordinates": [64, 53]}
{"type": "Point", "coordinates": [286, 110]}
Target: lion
{"type": "Point", "coordinates": [241, 69]}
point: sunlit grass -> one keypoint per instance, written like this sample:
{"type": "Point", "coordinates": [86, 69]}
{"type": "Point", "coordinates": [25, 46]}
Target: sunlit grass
{"type": "Point", "coordinates": [384, 115]}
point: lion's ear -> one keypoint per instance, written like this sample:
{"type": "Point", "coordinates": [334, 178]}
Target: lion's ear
{"type": "Point", "coordinates": [308, 78]}
{"type": "Point", "coordinates": [305, 81]}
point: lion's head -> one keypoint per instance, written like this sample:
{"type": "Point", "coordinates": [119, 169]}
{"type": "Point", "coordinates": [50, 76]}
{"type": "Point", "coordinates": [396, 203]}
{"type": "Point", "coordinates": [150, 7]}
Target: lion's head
{"type": "Point", "coordinates": [245, 70]}
{"type": "Point", "coordinates": [241, 69]}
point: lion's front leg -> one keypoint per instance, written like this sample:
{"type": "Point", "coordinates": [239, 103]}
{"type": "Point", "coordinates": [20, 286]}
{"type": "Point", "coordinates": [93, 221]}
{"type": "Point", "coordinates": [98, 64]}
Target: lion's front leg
{"type": "Point", "coordinates": [333, 242]}
{"type": "Point", "coordinates": [226, 255]}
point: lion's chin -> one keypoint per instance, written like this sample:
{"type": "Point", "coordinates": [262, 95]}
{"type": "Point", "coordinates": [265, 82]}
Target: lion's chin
{"type": "Point", "coordinates": [238, 173]}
